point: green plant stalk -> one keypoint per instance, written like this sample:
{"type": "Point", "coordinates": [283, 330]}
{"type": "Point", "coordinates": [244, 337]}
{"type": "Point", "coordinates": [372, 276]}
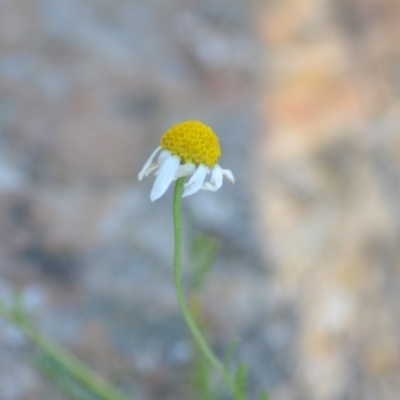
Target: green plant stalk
{"type": "Point", "coordinates": [68, 387]}
{"type": "Point", "coordinates": [194, 330]}
{"type": "Point", "coordinates": [75, 367]}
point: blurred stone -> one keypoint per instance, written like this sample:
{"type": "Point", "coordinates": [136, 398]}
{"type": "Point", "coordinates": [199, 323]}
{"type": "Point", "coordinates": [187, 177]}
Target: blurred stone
{"type": "Point", "coordinates": [325, 207]}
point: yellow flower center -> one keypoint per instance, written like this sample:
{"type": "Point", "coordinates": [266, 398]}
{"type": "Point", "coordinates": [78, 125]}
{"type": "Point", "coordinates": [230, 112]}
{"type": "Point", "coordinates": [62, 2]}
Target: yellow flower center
{"type": "Point", "coordinates": [193, 142]}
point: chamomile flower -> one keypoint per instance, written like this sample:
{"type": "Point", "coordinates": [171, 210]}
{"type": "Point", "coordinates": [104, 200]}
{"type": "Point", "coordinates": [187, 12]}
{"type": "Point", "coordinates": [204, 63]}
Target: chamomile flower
{"type": "Point", "coordinates": [189, 148]}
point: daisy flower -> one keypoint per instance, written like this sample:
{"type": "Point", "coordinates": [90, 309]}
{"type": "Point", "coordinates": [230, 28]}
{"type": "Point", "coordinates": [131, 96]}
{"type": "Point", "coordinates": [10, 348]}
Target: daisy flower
{"type": "Point", "coordinates": [189, 148]}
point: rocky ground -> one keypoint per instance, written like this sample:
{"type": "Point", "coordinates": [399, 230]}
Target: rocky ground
{"type": "Point", "coordinates": [305, 98]}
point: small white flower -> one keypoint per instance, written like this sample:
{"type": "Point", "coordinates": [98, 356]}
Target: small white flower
{"type": "Point", "coordinates": [189, 148]}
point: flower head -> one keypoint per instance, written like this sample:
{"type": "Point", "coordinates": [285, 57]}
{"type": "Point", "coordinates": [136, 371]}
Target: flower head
{"type": "Point", "coordinates": [187, 148]}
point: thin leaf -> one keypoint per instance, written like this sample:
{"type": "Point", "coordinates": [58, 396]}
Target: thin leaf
{"type": "Point", "coordinates": [241, 382]}
{"type": "Point", "coordinates": [202, 255]}
{"type": "Point", "coordinates": [263, 396]}
{"type": "Point", "coordinates": [61, 378]}
{"type": "Point", "coordinates": [231, 348]}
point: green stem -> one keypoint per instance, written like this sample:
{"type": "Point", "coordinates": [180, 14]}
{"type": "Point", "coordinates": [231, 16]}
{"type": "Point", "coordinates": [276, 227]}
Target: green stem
{"type": "Point", "coordinates": [194, 330]}
{"type": "Point", "coordinates": [75, 367]}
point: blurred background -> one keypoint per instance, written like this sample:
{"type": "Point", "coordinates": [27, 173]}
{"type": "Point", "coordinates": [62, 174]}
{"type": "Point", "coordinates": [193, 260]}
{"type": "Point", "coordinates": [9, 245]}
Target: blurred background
{"type": "Point", "coordinates": [304, 95]}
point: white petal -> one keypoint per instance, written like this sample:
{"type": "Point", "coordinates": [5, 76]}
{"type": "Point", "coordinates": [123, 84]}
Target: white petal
{"type": "Point", "coordinates": [216, 180]}
{"type": "Point", "coordinates": [166, 174]}
{"type": "Point", "coordinates": [151, 168]}
{"type": "Point", "coordinates": [155, 165]}
{"type": "Point", "coordinates": [163, 156]}
{"type": "Point", "coordinates": [147, 165]}
{"type": "Point", "coordinates": [185, 170]}
{"type": "Point", "coordinates": [196, 180]}
{"type": "Point", "coordinates": [228, 175]}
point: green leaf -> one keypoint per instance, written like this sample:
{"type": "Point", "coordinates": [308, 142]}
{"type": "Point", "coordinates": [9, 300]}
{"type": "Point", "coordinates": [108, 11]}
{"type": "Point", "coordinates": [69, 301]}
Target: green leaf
{"type": "Point", "coordinates": [263, 396]}
{"type": "Point", "coordinates": [202, 255]}
{"type": "Point", "coordinates": [231, 348]}
{"type": "Point", "coordinates": [241, 382]}
{"type": "Point", "coordinates": [53, 370]}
